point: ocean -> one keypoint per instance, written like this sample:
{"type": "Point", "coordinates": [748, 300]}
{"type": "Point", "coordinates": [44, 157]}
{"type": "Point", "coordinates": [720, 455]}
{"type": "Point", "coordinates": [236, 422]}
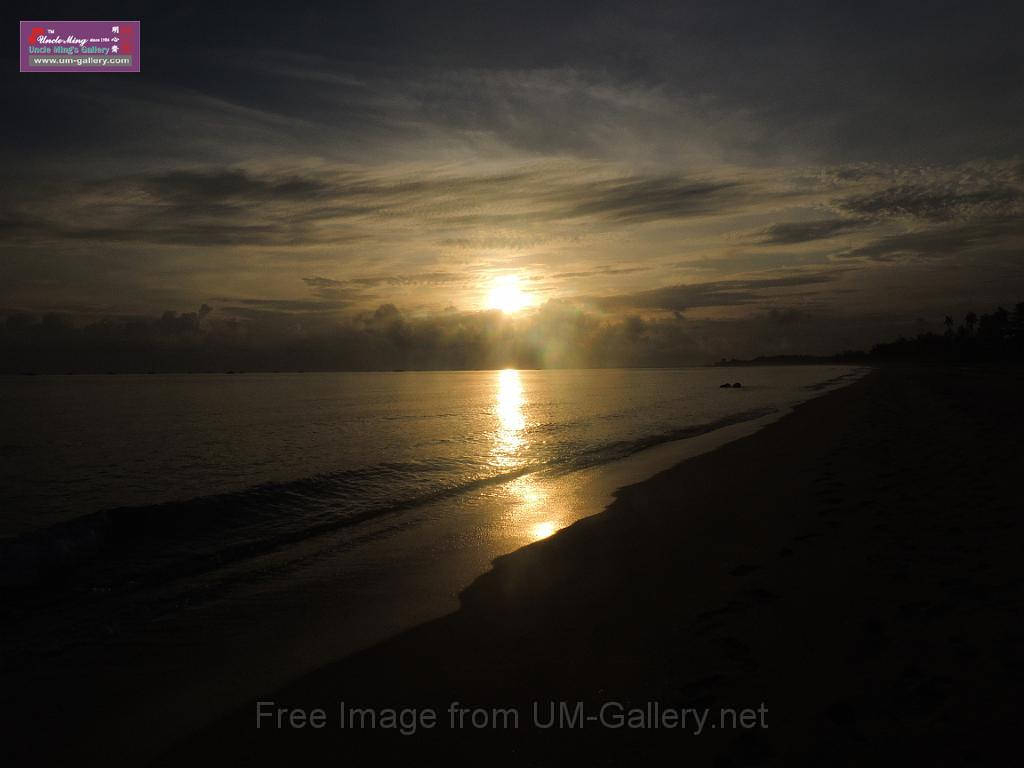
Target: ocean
{"type": "Point", "coordinates": [233, 532]}
{"type": "Point", "coordinates": [224, 466]}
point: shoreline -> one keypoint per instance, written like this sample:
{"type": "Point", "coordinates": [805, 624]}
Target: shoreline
{"type": "Point", "coordinates": [805, 573]}
{"type": "Point", "coordinates": [29, 528]}
{"type": "Point", "coordinates": [327, 617]}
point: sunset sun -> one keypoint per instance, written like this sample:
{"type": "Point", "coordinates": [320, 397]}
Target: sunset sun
{"type": "Point", "coordinates": [506, 295]}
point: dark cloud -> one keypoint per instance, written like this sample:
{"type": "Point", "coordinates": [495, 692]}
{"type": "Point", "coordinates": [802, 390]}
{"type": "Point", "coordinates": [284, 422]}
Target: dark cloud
{"type": "Point", "coordinates": [724, 293]}
{"type": "Point", "coordinates": [197, 208]}
{"type": "Point", "coordinates": [242, 306]}
{"type": "Point", "coordinates": [599, 272]}
{"type": "Point", "coordinates": [791, 233]}
{"type": "Point", "coordinates": [421, 278]}
{"type": "Point", "coordinates": [200, 188]}
{"type": "Point", "coordinates": [159, 231]}
{"type": "Point", "coordinates": [357, 287]}
{"type": "Point", "coordinates": [229, 207]}
{"type": "Point", "coordinates": [260, 336]}
{"type": "Point", "coordinates": [863, 81]}
{"type": "Point", "coordinates": [644, 200]}
{"type": "Point", "coordinates": [939, 241]}
{"type": "Point", "coordinates": [322, 282]}
{"type": "Point", "coordinates": [559, 334]}
{"type": "Point", "coordinates": [539, 137]}
{"type": "Point", "coordinates": [790, 316]}
{"type": "Point", "coordinates": [935, 203]}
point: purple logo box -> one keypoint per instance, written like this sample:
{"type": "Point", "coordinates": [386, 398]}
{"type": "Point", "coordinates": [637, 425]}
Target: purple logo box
{"type": "Point", "coordinates": [80, 46]}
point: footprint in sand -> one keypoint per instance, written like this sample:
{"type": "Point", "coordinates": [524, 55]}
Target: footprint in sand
{"type": "Point", "coordinates": [758, 596]}
{"type": "Point", "coordinates": [731, 647]}
{"type": "Point", "coordinates": [702, 686]}
{"type": "Point", "coordinates": [736, 651]}
{"type": "Point", "coordinates": [729, 608]}
{"type": "Point", "coordinates": [743, 569]}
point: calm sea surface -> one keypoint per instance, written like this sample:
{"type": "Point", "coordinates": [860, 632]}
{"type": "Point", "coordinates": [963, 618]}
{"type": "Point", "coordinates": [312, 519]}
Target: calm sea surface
{"type": "Point", "coordinates": [223, 535]}
{"type": "Point", "coordinates": [289, 451]}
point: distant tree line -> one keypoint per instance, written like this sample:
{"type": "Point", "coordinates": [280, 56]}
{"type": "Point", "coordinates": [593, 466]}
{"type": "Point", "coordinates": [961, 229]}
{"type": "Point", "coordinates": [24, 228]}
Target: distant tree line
{"type": "Point", "coordinates": [997, 337]}
{"type": "Point", "coordinates": [994, 337]}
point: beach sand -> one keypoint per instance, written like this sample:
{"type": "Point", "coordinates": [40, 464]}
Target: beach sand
{"type": "Point", "coordinates": [853, 570]}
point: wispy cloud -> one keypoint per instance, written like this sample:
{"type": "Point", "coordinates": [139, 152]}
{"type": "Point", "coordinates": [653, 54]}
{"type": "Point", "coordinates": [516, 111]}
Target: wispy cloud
{"type": "Point", "coordinates": [599, 272]}
{"type": "Point", "coordinates": [937, 203]}
{"type": "Point", "coordinates": [792, 233]}
{"type": "Point", "coordinates": [723, 293]}
{"type": "Point", "coordinates": [409, 166]}
{"type": "Point", "coordinates": [235, 206]}
{"type": "Point", "coordinates": [942, 241]}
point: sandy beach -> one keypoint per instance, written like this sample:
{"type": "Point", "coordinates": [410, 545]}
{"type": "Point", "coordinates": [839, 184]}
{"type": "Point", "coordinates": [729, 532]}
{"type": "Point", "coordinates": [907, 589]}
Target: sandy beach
{"type": "Point", "coordinates": [848, 577]}
{"type": "Point", "coordinates": [120, 660]}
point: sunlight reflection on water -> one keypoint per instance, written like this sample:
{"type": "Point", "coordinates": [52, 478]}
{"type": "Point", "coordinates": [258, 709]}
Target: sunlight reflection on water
{"type": "Point", "coordinates": [543, 530]}
{"type": "Point", "coordinates": [510, 437]}
{"type": "Point", "coordinates": [529, 511]}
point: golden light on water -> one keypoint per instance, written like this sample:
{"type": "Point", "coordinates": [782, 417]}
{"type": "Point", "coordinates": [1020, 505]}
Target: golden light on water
{"type": "Point", "coordinates": [507, 295]}
{"type": "Point", "coordinates": [528, 511]}
{"type": "Point", "coordinates": [544, 529]}
{"type": "Point", "coordinates": [511, 421]}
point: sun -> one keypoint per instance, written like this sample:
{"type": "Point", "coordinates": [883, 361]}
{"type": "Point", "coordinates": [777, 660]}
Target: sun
{"type": "Point", "coordinates": [507, 296]}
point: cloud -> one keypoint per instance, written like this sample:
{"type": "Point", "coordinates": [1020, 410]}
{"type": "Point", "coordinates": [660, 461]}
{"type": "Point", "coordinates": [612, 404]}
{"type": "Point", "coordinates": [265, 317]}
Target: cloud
{"type": "Point", "coordinates": [646, 200]}
{"type": "Point", "coordinates": [723, 293]}
{"type": "Point", "coordinates": [939, 241]}
{"type": "Point", "coordinates": [357, 287]}
{"type": "Point", "coordinates": [936, 203]}
{"type": "Point", "coordinates": [421, 278]}
{"type": "Point", "coordinates": [789, 316]}
{"type": "Point", "coordinates": [199, 188]}
{"type": "Point", "coordinates": [342, 206]}
{"type": "Point", "coordinates": [599, 272]}
{"type": "Point", "coordinates": [284, 305]}
{"type": "Point", "coordinates": [320, 283]}
{"type": "Point", "coordinates": [558, 334]}
{"type": "Point", "coordinates": [792, 233]}
{"type": "Point", "coordinates": [268, 335]}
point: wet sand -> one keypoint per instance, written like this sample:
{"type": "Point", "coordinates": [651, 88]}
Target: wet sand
{"type": "Point", "coordinates": [851, 573]}
{"type": "Point", "coordinates": [115, 671]}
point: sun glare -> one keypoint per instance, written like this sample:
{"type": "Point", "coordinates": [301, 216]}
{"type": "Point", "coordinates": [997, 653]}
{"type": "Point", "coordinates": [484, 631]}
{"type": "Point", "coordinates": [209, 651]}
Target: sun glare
{"type": "Point", "coordinates": [543, 530]}
{"type": "Point", "coordinates": [507, 296]}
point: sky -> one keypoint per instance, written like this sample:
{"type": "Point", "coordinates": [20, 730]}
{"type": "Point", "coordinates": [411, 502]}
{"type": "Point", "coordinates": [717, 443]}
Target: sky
{"type": "Point", "coordinates": [365, 185]}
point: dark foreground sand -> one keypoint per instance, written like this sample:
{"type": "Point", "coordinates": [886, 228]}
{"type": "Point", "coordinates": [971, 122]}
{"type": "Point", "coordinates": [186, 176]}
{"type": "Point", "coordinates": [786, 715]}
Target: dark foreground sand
{"type": "Point", "coordinates": [855, 567]}
{"type": "Point", "coordinates": [850, 576]}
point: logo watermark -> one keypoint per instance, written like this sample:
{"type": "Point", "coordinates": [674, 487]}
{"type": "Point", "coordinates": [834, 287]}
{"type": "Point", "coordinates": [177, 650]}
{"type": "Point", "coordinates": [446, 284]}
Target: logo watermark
{"type": "Point", "coordinates": [81, 46]}
{"type": "Point", "coordinates": [540, 715]}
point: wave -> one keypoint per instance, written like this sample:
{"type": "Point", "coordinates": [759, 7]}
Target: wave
{"type": "Point", "coordinates": [853, 375]}
{"type": "Point", "coordinates": [153, 543]}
